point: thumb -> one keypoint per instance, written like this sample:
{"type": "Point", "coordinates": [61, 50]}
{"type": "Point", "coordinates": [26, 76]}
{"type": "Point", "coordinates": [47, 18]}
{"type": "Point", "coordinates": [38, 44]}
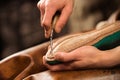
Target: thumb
{"type": "Point", "coordinates": [65, 57]}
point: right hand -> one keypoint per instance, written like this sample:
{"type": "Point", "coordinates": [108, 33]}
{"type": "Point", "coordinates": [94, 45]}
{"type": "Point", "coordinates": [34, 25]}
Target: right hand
{"type": "Point", "coordinates": [48, 9]}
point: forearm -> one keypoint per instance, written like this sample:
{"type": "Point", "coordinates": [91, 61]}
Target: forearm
{"type": "Point", "coordinates": [111, 58]}
{"type": "Point", "coordinates": [116, 55]}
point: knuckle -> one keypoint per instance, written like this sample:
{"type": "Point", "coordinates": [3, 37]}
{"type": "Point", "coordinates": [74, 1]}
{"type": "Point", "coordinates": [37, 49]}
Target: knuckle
{"type": "Point", "coordinates": [42, 6]}
{"type": "Point", "coordinates": [60, 57]}
{"type": "Point", "coordinates": [38, 4]}
{"type": "Point", "coordinates": [45, 23]}
{"type": "Point", "coordinates": [48, 5]}
{"type": "Point", "coordinates": [74, 66]}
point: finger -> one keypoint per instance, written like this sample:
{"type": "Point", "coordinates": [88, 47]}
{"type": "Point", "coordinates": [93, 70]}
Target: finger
{"type": "Point", "coordinates": [41, 6]}
{"type": "Point", "coordinates": [63, 18]}
{"type": "Point", "coordinates": [65, 57]}
{"type": "Point", "coordinates": [73, 65]}
{"type": "Point", "coordinates": [46, 33]}
{"type": "Point", "coordinates": [44, 61]}
{"type": "Point", "coordinates": [38, 4]}
{"type": "Point", "coordinates": [65, 66]}
{"type": "Point", "coordinates": [71, 56]}
{"type": "Point", "coordinates": [47, 20]}
{"type": "Point", "coordinates": [42, 15]}
{"type": "Point", "coordinates": [58, 67]}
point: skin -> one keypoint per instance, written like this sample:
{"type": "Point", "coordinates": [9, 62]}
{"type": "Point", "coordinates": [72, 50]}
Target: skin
{"type": "Point", "coordinates": [81, 58]}
{"type": "Point", "coordinates": [49, 7]}
{"type": "Point", "coordinates": [86, 57]}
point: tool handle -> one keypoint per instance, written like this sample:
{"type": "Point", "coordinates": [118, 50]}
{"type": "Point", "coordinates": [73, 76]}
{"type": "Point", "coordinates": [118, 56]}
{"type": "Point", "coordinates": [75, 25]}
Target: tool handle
{"type": "Point", "coordinates": [55, 19]}
{"type": "Point", "coordinates": [53, 24]}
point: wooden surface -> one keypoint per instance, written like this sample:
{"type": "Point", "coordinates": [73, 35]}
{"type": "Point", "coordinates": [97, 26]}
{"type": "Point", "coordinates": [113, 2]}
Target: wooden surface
{"type": "Point", "coordinates": [101, 74]}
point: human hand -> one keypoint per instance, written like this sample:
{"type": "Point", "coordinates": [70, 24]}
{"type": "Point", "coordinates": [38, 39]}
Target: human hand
{"type": "Point", "coordinates": [48, 8]}
{"type": "Point", "coordinates": [83, 58]}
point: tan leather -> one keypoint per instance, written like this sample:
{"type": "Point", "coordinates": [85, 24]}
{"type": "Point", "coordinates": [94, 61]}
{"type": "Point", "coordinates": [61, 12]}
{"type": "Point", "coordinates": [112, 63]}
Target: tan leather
{"type": "Point", "coordinates": [27, 65]}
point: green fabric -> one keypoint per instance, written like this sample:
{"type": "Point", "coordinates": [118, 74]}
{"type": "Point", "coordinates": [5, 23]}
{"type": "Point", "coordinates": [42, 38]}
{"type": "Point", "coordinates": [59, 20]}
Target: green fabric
{"type": "Point", "coordinates": [109, 42]}
{"type": "Point", "coordinates": [54, 62]}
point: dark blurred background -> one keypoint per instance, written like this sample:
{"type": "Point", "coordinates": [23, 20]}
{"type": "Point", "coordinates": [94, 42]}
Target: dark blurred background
{"type": "Point", "coordinates": [20, 23]}
{"type": "Point", "coordinates": [19, 26]}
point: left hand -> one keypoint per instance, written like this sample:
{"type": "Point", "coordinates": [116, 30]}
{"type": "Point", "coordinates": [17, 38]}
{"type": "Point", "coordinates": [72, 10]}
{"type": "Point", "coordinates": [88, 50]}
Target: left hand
{"type": "Point", "coordinates": [83, 57]}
